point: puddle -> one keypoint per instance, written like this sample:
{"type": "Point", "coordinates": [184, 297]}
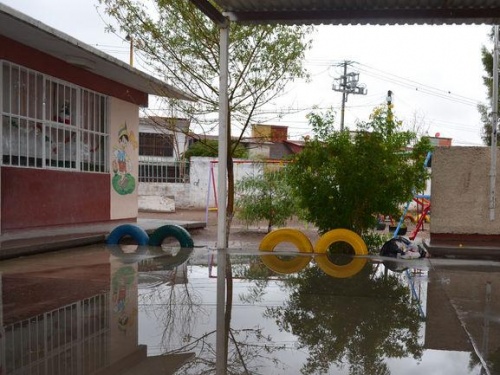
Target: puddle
{"type": "Point", "coordinates": [110, 310]}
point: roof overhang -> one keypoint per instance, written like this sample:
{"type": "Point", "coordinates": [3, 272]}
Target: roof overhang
{"type": "Point", "coordinates": [365, 12]}
{"type": "Point", "coordinates": [30, 32]}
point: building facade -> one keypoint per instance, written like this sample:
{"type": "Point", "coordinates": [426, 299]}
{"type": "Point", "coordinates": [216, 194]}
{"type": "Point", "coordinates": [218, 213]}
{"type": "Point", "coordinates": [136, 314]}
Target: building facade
{"type": "Point", "coordinates": [70, 126]}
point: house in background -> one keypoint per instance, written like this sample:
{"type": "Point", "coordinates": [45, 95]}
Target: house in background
{"type": "Point", "coordinates": [271, 142]}
{"type": "Point", "coordinates": [70, 126]}
{"type": "Point", "coordinates": [162, 141]}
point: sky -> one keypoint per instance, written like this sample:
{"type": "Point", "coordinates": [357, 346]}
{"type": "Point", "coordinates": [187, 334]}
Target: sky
{"type": "Point", "coordinates": [434, 72]}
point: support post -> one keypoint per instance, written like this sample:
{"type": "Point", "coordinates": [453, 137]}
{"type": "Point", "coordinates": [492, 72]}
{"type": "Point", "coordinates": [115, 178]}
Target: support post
{"type": "Point", "coordinates": [223, 124]}
{"type": "Point", "coordinates": [494, 126]}
{"type": "Point", "coordinates": [222, 206]}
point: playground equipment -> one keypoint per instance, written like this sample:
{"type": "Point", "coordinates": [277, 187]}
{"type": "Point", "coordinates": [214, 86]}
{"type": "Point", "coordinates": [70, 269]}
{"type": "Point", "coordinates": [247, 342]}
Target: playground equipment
{"type": "Point", "coordinates": [128, 230]}
{"type": "Point", "coordinates": [293, 264]}
{"type": "Point", "coordinates": [142, 238]}
{"type": "Point", "coordinates": [423, 202]}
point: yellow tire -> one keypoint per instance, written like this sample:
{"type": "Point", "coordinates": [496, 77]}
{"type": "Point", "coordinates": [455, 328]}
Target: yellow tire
{"type": "Point", "coordinates": [410, 218]}
{"type": "Point", "coordinates": [286, 235]}
{"type": "Point", "coordinates": [340, 235]}
{"type": "Point", "coordinates": [427, 218]}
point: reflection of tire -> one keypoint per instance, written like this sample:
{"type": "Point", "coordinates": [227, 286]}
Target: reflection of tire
{"type": "Point", "coordinates": [139, 254]}
{"type": "Point", "coordinates": [176, 231]}
{"type": "Point", "coordinates": [137, 233]}
{"type": "Point", "coordinates": [344, 271]}
{"type": "Point", "coordinates": [293, 236]}
{"type": "Point", "coordinates": [165, 262]}
{"type": "Point", "coordinates": [340, 235]}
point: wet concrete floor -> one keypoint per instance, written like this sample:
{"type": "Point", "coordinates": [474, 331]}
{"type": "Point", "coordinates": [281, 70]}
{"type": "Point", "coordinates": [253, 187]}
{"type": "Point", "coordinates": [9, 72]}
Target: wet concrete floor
{"type": "Point", "coordinates": [124, 310]}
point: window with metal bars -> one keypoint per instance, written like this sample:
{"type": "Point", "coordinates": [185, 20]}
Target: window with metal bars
{"type": "Point", "coordinates": [49, 123]}
{"type": "Point", "coordinates": [155, 144]}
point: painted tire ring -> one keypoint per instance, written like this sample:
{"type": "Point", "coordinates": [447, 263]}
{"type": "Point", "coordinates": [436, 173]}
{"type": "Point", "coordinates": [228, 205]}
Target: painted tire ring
{"type": "Point", "coordinates": [176, 231]}
{"type": "Point", "coordinates": [134, 231]}
{"type": "Point", "coordinates": [340, 235]}
{"type": "Point", "coordinates": [294, 236]}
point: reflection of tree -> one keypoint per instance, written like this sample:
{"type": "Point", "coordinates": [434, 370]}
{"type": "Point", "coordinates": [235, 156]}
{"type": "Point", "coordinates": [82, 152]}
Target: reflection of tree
{"type": "Point", "coordinates": [175, 305]}
{"type": "Point", "coordinates": [491, 366]}
{"type": "Point", "coordinates": [356, 321]}
{"type": "Point", "coordinates": [248, 353]}
{"type": "Point", "coordinates": [252, 268]}
{"type": "Point", "coordinates": [494, 362]}
{"type": "Point", "coordinates": [247, 350]}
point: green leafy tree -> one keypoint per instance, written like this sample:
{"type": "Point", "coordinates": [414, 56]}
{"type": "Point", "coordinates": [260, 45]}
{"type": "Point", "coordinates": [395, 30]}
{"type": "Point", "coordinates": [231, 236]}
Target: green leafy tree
{"type": "Point", "coordinates": [485, 109]}
{"type": "Point", "coordinates": [178, 42]}
{"type": "Point", "coordinates": [344, 179]}
{"type": "Point", "coordinates": [266, 196]}
{"type": "Point", "coordinates": [210, 148]}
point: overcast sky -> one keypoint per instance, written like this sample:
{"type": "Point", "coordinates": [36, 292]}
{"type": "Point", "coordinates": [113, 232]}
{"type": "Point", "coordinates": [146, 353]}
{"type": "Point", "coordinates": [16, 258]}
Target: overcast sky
{"type": "Point", "coordinates": [434, 71]}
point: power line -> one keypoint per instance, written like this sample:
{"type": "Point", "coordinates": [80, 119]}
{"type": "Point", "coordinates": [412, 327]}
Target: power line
{"type": "Point", "coordinates": [417, 86]}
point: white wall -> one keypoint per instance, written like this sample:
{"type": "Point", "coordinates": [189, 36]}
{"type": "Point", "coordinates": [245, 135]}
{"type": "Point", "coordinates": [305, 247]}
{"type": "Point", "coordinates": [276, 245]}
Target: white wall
{"type": "Point", "coordinates": [200, 189]}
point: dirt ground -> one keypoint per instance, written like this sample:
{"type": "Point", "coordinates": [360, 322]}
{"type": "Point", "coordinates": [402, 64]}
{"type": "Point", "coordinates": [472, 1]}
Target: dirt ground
{"type": "Point", "coordinates": [242, 235]}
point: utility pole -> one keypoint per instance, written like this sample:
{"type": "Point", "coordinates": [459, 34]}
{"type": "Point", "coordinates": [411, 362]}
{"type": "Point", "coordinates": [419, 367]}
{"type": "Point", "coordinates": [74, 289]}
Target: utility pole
{"type": "Point", "coordinates": [389, 105]}
{"type": "Point", "coordinates": [347, 84]}
{"type": "Point", "coordinates": [131, 50]}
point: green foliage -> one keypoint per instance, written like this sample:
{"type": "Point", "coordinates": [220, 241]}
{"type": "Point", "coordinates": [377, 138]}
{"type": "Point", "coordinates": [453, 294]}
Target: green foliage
{"type": "Point", "coordinates": [485, 110]}
{"type": "Point", "coordinates": [178, 42]}
{"type": "Point", "coordinates": [265, 197]}
{"type": "Point", "coordinates": [209, 148]}
{"type": "Point", "coordinates": [374, 241]}
{"type": "Point", "coordinates": [344, 179]}
{"type": "Point", "coordinates": [181, 44]}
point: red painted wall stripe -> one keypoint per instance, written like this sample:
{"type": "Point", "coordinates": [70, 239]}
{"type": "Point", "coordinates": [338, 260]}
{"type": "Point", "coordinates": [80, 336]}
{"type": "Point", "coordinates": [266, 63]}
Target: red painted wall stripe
{"type": "Point", "coordinates": [34, 59]}
{"type": "Point", "coordinates": [37, 197]}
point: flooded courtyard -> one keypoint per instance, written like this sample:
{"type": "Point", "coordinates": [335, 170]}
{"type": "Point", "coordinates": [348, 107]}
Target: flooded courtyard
{"type": "Point", "coordinates": [103, 310]}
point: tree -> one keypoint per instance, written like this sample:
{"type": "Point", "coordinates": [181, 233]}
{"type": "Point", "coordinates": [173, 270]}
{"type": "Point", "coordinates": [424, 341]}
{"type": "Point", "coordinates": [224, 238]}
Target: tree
{"type": "Point", "coordinates": [344, 179]}
{"type": "Point", "coordinates": [209, 148]}
{"type": "Point", "coordinates": [266, 196]}
{"type": "Point", "coordinates": [182, 45]}
{"type": "Point", "coordinates": [485, 109]}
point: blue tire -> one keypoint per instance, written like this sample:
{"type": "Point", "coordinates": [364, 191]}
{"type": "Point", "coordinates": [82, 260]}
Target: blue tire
{"type": "Point", "coordinates": [137, 233]}
{"type": "Point", "coordinates": [176, 231]}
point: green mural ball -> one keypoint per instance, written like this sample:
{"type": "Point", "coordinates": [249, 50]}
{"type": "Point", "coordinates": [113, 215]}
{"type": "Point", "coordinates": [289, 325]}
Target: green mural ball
{"type": "Point", "coordinates": [123, 184]}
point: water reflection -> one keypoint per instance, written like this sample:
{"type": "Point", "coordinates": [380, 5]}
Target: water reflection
{"type": "Point", "coordinates": [355, 322]}
{"type": "Point", "coordinates": [149, 310]}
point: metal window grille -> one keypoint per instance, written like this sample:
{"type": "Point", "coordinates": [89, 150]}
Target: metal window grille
{"type": "Point", "coordinates": [154, 169]}
{"type": "Point", "coordinates": [49, 123]}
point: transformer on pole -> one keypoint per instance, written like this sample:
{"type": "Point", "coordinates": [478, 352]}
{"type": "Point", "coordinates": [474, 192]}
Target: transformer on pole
{"type": "Point", "coordinates": [347, 84]}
